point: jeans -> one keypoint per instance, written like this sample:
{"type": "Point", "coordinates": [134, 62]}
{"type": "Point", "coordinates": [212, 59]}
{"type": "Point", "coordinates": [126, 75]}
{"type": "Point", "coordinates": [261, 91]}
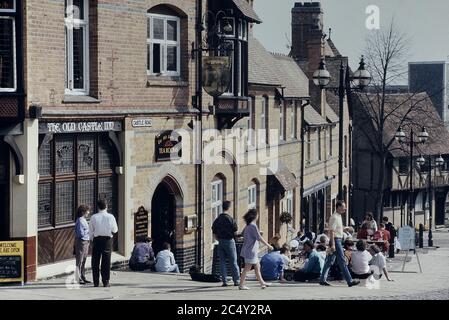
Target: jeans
{"type": "Point", "coordinates": [339, 255]}
{"type": "Point", "coordinates": [227, 249]}
{"type": "Point", "coordinates": [174, 268]}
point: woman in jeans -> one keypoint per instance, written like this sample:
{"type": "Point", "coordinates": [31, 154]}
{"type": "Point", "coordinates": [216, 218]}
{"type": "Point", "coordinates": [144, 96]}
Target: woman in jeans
{"type": "Point", "coordinates": [82, 241]}
{"type": "Point", "coordinates": [250, 249]}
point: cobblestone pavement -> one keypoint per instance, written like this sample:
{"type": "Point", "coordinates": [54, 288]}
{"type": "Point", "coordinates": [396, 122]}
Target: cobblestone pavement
{"type": "Point", "coordinates": [432, 284]}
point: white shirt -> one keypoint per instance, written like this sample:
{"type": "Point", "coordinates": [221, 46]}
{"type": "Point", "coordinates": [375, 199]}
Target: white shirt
{"type": "Point", "coordinates": [360, 262]}
{"type": "Point", "coordinates": [379, 261]}
{"type": "Point", "coordinates": [164, 261]}
{"type": "Point", "coordinates": [336, 225]}
{"type": "Point", "coordinates": [102, 224]}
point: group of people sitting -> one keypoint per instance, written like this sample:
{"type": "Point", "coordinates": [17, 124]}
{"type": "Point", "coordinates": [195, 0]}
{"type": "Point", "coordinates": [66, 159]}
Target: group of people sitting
{"type": "Point", "coordinates": [143, 257]}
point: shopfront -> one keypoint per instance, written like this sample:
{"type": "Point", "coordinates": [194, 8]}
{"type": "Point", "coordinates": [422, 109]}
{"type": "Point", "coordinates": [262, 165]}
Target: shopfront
{"type": "Point", "coordinates": [77, 165]}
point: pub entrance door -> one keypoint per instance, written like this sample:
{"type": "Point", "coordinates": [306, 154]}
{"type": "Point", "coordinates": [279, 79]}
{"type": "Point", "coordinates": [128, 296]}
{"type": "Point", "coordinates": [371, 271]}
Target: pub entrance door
{"type": "Point", "coordinates": [163, 212]}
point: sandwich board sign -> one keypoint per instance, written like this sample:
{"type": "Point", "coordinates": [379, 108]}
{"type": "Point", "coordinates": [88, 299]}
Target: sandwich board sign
{"type": "Point", "coordinates": [11, 261]}
{"type": "Point", "coordinates": [406, 238]}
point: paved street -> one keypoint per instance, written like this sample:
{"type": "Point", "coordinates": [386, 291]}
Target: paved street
{"type": "Point", "coordinates": [432, 284]}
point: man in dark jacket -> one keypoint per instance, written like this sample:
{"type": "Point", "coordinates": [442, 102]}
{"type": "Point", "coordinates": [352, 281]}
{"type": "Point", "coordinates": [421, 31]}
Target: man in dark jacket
{"type": "Point", "coordinates": [390, 227]}
{"type": "Point", "coordinates": [224, 229]}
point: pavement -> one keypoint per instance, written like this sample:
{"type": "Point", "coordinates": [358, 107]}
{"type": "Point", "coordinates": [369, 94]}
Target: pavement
{"type": "Point", "coordinates": [432, 284]}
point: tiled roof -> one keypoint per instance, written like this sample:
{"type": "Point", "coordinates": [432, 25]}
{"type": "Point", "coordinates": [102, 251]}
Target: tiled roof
{"type": "Point", "coordinates": [261, 64]}
{"type": "Point", "coordinates": [313, 118]}
{"type": "Point", "coordinates": [423, 113]}
{"type": "Point", "coordinates": [291, 76]}
{"type": "Point", "coordinates": [246, 9]}
{"type": "Point", "coordinates": [331, 115]}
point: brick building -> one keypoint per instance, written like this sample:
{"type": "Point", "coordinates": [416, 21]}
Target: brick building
{"type": "Point", "coordinates": [101, 90]}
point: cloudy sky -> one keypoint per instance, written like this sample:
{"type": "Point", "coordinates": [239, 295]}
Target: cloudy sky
{"type": "Point", "coordinates": [426, 22]}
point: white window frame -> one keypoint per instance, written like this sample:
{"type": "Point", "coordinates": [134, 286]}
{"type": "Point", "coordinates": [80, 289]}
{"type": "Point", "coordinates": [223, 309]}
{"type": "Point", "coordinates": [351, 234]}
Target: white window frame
{"type": "Point", "coordinates": [13, 89]}
{"type": "Point", "coordinates": [282, 122]}
{"type": "Point", "coordinates": [84, 24]}
{"type": "Point", "coordinates": [216, 199]}
{"type": "Point", "coordinates": [251, 122]}
{"type": "Point", "coordinates": [252, 197]}
{"type": "Point", "coordinates": [164, 43]}
{"type": "Point", "coordinates": [318, 145]}
{"type": "Point", "coordinates": [10, 10]}
{"type": "Point", "coordinates": [289, 202]}
{"type": "Point", "coordinates": [293, 121]}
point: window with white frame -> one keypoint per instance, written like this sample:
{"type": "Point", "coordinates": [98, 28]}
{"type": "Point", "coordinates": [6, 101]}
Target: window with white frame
{"type": "Point", "coordinates": [251, 122]}
{"type": "Point", "coordinates": [163, 45]}
{"type": "Point", "coordinates": [293, 120]}
{"type": "Point", "coordinates": [252, 197]}
{"type": "Point", "coordinates": [264, 121]}
{"type": "Point", "coordinates": [216, 198]}
{"type": "Point", "coordinates": [281, 122]}
{"type": "Point", "coordinates": [8, 77]}
{"type": "Point", "coordinates": [289, 201]}
{"type": "Point", "coordinates": [318, 147]}
{"type": "Point", "coordinates": [77, 46]}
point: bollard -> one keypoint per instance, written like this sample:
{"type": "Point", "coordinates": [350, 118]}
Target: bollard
{"type": "Point", "coordinates": [421, 235]}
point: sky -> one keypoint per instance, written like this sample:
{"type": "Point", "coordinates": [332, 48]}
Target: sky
{"type": "Point", "coordinates": [426, 22]}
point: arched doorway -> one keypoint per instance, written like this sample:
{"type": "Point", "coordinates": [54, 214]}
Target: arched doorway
{"type": "Point", "coordinates": [166, 201]}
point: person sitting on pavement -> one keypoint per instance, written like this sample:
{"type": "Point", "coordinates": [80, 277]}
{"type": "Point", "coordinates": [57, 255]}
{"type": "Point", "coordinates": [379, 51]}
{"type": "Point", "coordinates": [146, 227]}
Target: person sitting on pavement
{"type": "Point", "coordinates": [321, 250]}
{"type": "Point", "coordinates": [348, 245]}
{"type": "Point", "coordinates": [142, 257]}
{"type": "Point", "coordinates": [286, 255]}
{"type": "Point", "coordinates": [383, 235]}
{"type": "Point", "coordinates": [165, 260]}
{"type": "Point", "coordinates": [272, 266]}
{"type": "Point", "coordinates": [378, 260]}
{"type": "Point", "coordinates": [360, 261]}
{"type": "Point", "coordinates": [363, 232]}
{"type": "Point", "coordinates": [313, 267]}
{"type": "Point", "coordinates": [323, 238]}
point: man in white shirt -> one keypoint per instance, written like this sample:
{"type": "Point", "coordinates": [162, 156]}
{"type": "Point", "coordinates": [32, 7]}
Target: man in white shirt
{"type": "Point", "coordinates": [165, 260]}
{"type": "Point", "coordinates": [336, 247]}
{"type": "Point", "coordinates": [102, 228]}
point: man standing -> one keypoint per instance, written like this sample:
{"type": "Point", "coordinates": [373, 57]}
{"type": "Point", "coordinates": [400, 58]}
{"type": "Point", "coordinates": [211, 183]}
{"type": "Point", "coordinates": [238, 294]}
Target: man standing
{"type": "Point", "coordinates": [391, 228]}
{"type": "Point", "coordinates": [336, 248]}
{"type": "Point", "coordinates": [102, 229]}
{"type": "Point", "coordinates": [224, 229]}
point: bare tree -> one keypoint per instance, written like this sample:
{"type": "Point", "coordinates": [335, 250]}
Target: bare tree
{"type": "Point", "coordinates": [379, 112]}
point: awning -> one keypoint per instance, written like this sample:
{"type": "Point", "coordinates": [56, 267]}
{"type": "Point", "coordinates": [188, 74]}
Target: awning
{"type": "Point", "coordinates": [246, 9]}
{"type": "Point", "coordinates": [283, 178]}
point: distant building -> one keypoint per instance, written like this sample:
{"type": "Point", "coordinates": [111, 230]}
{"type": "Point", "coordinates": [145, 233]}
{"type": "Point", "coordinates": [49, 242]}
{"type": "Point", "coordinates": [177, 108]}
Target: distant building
{"type": "Point", "coordinates": [432, 78]}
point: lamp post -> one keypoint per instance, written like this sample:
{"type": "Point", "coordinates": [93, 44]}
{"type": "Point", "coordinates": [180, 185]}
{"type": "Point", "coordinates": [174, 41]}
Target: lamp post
{"type": "Point", "coordinates": [214, 76]}
{"type": "Point", "coordinates": [400, 136]}
{"type": "Point", "coordinates": [360, 79]}
{"type": "Point", "coordinates": [439, 162]}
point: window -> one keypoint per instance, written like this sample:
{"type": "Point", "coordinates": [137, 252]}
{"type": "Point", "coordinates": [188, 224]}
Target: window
{"type": "Point", "coordinates": [252, 197]}
{"type": "Point", "coordinates": [330, 141]}
{"type": "Point", "coordinates": [289, 202]}
{"type": "Point", "coordinates": [309, 145]}
{"type": "Point", "coordinates": [403, 166]}
{"type": "Point", "coordinates": [281, 122]}
{"type": "Point", "coordinates": [318, 150]}
{"type": "Point", "coordinates": [77, 46]}
{"type": "Point", "coordinates": [163, 45]}
{"type": "Point", "coordinates": [217, 199]}
{"type": "Point", "coordinates": [264, 121]}
{"type": "Point", "coordinates": [251, 122]}
{"type": "Point", "coordinates": [293, 120]}
{"type": "Point", "coordinates": [8, 80]}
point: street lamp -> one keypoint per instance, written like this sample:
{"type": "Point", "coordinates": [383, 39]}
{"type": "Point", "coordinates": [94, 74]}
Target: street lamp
{"type": "Point", "coordinates": [401, 137]}
{"type": "Point", "coordinates": [213, 73]}
{"type": "Point", "coordinates": [439, 162]}
{"type": "Point", "coordinates": [360, 79]}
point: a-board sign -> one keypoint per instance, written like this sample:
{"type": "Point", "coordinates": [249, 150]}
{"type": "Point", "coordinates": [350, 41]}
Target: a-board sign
{"type": "Point", "coordinates": [11, 261]}
{"type": "Point", "coordinates": [406, 238]}
{"type": "Point", "coordinates": [140, 223]}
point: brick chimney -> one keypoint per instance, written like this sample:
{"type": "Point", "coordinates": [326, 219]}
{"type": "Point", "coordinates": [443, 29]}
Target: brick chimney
{"type": "Point", "coordinates": [307, 31]}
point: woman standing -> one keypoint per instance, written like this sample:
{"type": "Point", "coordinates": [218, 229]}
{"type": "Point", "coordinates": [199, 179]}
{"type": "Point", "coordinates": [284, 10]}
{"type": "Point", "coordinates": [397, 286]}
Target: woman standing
{"type": "Point", "coordinates": [81, 243]}
{"type": "Point", "coordinates": [250, 248]}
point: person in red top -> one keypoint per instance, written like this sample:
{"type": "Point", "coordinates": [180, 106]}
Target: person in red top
{"type": "Point", "coordinates": [363, 232]}
{"type": "Point", "coordinates": [383, 234]}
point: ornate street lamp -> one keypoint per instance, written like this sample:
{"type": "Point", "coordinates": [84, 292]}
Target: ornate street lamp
{"type": "Point", "coordinates": [321, 77]}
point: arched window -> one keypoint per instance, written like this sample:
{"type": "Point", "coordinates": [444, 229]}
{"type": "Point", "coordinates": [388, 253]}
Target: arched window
{"type": "Point", "coordinates": [164, 41]}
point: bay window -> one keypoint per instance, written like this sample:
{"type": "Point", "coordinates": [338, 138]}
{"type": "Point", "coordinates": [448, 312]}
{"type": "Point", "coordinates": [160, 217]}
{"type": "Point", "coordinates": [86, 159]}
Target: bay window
{"type": "Point", "coordinates": [77, 46]}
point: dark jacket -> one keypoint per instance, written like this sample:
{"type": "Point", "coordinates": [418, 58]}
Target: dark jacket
{"type": "Point", "coordinates": [224, 227]}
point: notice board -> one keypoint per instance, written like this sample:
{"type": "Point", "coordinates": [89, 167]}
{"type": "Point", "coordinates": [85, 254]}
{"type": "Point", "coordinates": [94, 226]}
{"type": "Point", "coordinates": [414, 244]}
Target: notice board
{"type": "Point", "coordinates": [11, 261]}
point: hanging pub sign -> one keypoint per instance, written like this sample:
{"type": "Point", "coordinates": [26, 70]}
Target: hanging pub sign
{"type": "Point", "coordinates": [140, 223]}
{"type": "Point", "coordinates": [11, 261]}
{"type": "Point", "coordinates": [167, 147]}
{"type": "Point", "coordinates": [80, 127]}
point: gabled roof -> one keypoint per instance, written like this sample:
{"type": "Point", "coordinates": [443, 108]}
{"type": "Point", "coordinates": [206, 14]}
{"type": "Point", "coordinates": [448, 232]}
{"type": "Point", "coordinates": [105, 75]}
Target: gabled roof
{"type": "Point", "coordinates": [293, 79]}
{"type": "Point", "coordinates": [261, 68]}
{"type": "Point", "coordinates": [246, 9]}
{"type": "Point", "coordinates": [312, 117]}
{"type": "Point", "coordinates": [418, 111]}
